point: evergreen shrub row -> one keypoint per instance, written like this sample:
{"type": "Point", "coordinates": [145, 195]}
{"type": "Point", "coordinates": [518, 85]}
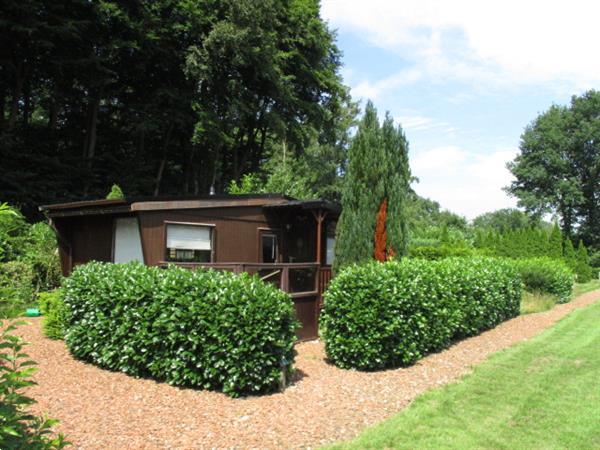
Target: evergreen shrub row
{"type": "Point", "coordinates": [547, 276]}
{"type": "Point", "coordinates": [204, 328]}
{"type": "Point", "coordinates": [382, 315]}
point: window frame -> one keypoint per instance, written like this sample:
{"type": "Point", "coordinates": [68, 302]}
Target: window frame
{"type": "Point", "coordinates": [211, 226]}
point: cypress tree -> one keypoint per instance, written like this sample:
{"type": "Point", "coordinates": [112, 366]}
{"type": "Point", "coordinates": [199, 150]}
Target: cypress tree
{"type": "Point", "coordinates": [583, 269]}
{"type": "Point", "coordinates": [569, 254]}
{"type": "Point", "coordinates": [555, 245]}
{"type": "Point", "coordinates": [377, 172]}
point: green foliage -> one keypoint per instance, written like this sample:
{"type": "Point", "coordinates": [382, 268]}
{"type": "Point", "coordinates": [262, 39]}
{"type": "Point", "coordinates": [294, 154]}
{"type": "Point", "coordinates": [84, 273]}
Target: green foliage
{"type": "Point", "coordinates": [16, 288]}
{"type": "Point", "coordinates": [385, 315]}
{"type": "Point", "coordinates": [115, 193]}
{"type": "Point", "coordinates": [504, 219]}
{"type": "Point", "coordinates": [558, 169]}
{"type": "Point", "coordinates": [53, 309]}
{"type": "Point", "coordinates": [203, 328]}
{"type": "Point", "coordinates": [440, 252]}
{"type": "Point", "coordinates": [582, 264]}
{"type": "Point", "coordinates": [547, 276]}
{"type": "Point", "coordinates": [19, 429]}
{"type": "Point", "coordinates": [377, 170]}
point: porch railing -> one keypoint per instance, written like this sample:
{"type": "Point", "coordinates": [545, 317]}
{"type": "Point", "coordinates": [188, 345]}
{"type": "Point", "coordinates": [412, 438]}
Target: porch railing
{"type": "Point", "coordinates": [297, 279]}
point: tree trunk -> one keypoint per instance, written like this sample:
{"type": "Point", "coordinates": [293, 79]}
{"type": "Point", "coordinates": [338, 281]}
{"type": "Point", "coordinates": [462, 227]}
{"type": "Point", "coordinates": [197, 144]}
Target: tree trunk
{"type": "Point", "coordinates": [163, 162]}
{"type": "Point", "coordinates": [89, 148]}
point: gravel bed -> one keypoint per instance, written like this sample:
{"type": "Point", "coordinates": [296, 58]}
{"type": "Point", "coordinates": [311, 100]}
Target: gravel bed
{"type": "Point", "coordinates": [99, 409]}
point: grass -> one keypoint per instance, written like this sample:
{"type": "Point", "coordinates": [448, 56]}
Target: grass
{"type": "Point", "coordinates": [582, 288]}
{"type": "Point", "coordinates": [533, 302]}
{"type": "Point", "coordinates": [540, 394]}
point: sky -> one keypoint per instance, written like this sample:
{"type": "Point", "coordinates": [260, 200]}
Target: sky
{"type": "Point", "coordinates": [464, 78]}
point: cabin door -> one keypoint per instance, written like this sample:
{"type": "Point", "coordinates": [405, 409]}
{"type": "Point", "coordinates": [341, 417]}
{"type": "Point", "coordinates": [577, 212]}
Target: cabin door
{"type": "Point", "coordinates": [268, 246]}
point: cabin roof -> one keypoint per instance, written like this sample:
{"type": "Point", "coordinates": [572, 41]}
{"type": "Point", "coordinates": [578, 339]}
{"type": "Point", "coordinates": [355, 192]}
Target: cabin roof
{"type": "Point", "coordinates": [134, 204]}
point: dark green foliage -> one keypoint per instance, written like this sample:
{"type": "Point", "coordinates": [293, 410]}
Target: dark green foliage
{"type": "Point", "coordinates": [53, 309]}
{"type": "Point", "coordinates": [582, 264]}
{"type": "Point", "coordinates": [115, 193]}
{"type": "Point", "coordinates": [555, 246]}
{"type": "Point", "coordinates": [385, 315]}
{"type": "Point", "coordinates": [440, 252]}
{"type": "Point", "coordinates": [163, 97]}
{"type": "Point", "coordinates": [546, 275]}
{"type": "Point", "coordinates": [377, 171]}
{"type": "Point", "coordinates": [204, 329]}
{"type": "Point", "coordinates": [504, 219]}
{"type": "Point", "coordinates": [19, 429]}
{"type": "Point", "coordinates": [558, 169]}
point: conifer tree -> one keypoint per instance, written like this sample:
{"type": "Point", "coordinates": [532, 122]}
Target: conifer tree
{"type": "Point", "coordinates": [115, 193]}
{"type": "Point", "coordinates": [569, 254]}
{"type": "Point", "coordinates": [555, 245]}
{"type": "Point", "coordinates": [377, 173]}
{"type": "Point", "coordinates": [582, 266]}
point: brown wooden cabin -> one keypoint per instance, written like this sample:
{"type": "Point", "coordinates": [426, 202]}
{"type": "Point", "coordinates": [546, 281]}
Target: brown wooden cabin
{"type": "Point", "coordinates": [285, 241]}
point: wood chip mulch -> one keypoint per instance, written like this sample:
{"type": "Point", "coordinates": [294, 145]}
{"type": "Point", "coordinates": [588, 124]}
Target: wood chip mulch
{"type": "Point", "coordinates": [99, 409]}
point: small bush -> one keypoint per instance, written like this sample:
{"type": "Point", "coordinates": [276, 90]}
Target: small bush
{"type": "Point", "coordinates": [53, 309]}
{"type": "Point", "coordinates": [205, 329]}
{"type": "Point", "coordinates": [19, 429]}
{"type": "Point", "coordinates": [384, 315]}
{"type": "Point", "coordinates": [546, 276]}
{"type": "Point", "coordinates": [16, 288]}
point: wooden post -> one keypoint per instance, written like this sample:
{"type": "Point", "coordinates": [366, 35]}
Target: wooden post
{"type": "Point", "coordinates": [319, 216]}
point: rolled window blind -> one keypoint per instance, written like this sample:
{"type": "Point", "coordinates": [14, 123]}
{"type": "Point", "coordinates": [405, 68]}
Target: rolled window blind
{"type": "Point", "coordinates": [188, 237]}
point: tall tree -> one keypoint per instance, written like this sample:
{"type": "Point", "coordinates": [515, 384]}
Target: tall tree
{"type": "Point", "coordinates": [558, 169]}
{"type": "Point", "coordinates": [378, 173]}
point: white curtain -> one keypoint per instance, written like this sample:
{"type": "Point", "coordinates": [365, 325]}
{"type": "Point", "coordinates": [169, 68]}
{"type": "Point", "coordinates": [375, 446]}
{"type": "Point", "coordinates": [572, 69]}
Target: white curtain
{"type": "Point", "coordinates": [188, 237]}
{"type": "Point", "coordinates": [128, 245]}
{"type": "Point", "coordinates": [329, 253]}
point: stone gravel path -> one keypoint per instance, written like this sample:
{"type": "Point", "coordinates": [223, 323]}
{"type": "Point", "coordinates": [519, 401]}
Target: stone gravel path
{"type": "Point", "coordinates": [108, 410]}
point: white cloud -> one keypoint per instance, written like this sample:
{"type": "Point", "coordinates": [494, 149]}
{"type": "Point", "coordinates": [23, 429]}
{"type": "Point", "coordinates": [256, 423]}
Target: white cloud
{"type": "Point", "coordinates": [493, 42]}
{"type": "Point", "coordinates": [464, 182]}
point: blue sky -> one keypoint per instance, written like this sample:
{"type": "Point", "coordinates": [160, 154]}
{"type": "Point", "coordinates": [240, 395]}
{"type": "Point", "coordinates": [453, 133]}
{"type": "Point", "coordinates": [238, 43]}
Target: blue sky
{"type": "Point", "coordinates": [464, 78]}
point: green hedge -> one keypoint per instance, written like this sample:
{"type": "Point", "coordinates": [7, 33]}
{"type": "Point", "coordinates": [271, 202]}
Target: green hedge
{"type": "Point", "coordinates": [53, 309]}
{"type": "Point", "coordinates": [16, 288]}
{"type": "Point", "coordinates": [546, 275]}
{"type": "Point", "coordinates": [439, 252]}
{"type": "Point", "coordinates": [385, 315]}
{"type": "Point", "coordinates": [204, 329]}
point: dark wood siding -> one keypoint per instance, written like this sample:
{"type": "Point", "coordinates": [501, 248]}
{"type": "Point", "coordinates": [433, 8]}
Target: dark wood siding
{"type": "Point", "coordinates": [236, 231]}
{"type": "Point", "coordinates": [91, 239]}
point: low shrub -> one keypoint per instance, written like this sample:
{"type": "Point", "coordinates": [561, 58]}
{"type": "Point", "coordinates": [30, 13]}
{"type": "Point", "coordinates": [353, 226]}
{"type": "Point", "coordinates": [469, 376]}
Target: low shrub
{"type": "Point", "coordinates": [19, 429]}
{"type": "Point", "coordinates": [546, 276]}
{"type": "Point", "coordinates": [16, 288]}
{"type": "Point", "coordinates": [53, 309]}
{"type": "Point", "coordinates": [205, 329]}
{"type": "Point", "coordinates": [385, 315]}
{"type": "Point", "coordinates": [439, 252]}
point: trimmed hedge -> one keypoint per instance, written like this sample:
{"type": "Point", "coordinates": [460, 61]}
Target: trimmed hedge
{"type": "Point", "coordinates": [53, 309]}
{"type": "Point", "coordinates": [546, 275]}
{"type": "Point", "coordinates": [204, 328]}
{"type": "Point", "coordinates": [382, 315]}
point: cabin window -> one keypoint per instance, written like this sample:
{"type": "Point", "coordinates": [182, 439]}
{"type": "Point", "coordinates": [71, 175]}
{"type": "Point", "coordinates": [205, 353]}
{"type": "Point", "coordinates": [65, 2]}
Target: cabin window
{"type": "Point", "coordinates": [269, 247]}
{"type": "Point", "coordinates": [126, 241]}
{"type": "Point", "coordinates": [189, 243]}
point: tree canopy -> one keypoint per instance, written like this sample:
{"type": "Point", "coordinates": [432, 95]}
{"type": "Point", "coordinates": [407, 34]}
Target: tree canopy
{"type": "Point", "coordinates": [558, 169]}
{"type": "Point", "coordinates": [161, 96]}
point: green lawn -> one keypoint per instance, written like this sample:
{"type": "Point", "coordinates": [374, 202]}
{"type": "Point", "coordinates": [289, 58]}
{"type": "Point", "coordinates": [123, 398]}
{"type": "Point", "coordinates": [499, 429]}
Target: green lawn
{"type": "Point", "coordinates": [579, 289]}
{"type": "Point", "coordinates": [541, 394]}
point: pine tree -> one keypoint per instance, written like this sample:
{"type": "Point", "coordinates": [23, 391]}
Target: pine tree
{"type": "Point", "coordinates": [377, 172]}
{"type": "Point", "coordinates": [569, 254]}
{"type": "Point", "coordinates": [555, 245]}
{"type": "Point", "coordinates": [582, 265]}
